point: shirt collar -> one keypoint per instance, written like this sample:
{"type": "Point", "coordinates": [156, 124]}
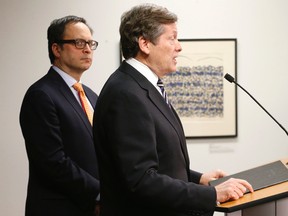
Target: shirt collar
{"type": "Point", "coordinates": [70, 81]}
{"type": "Point", "coordinates": [144, 70]}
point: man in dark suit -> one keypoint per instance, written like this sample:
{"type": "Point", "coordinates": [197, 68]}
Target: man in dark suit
{"type": "Point", "coordinates": [63, 170]}
{"type": "Point", "coordinates": [139, 139]}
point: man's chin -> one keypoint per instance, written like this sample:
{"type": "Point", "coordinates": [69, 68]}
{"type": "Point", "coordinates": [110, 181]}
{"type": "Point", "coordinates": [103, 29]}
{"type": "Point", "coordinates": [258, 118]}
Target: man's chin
{"type": "Point", "coordinates": [86, 66]}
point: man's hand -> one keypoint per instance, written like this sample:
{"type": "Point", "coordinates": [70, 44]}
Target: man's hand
{"type": "Point", "coordinates": [207, 177]}
{"type": "Point", "coordinates": [232, 189]}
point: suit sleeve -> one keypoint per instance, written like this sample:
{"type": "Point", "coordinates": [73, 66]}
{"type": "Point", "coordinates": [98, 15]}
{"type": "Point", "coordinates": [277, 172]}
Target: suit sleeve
{"type": "Point", "coordinates": [42, 131]}
{"type": "Point", "coordinates": [195, 176]}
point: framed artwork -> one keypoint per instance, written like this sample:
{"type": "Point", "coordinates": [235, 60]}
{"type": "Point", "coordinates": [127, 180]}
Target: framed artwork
{"type": "Point", "coordinates": [205, 102]}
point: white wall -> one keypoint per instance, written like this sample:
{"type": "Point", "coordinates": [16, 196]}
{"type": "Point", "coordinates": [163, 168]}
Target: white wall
{"type": "Point", "coordinates": [260, 27]}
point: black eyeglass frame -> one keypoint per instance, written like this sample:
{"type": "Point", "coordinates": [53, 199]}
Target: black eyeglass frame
{"type": "Point", "coordinates": [84, 42]}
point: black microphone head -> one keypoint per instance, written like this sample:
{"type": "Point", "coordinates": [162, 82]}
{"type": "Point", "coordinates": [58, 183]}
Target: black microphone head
{"type": "Point", "coordinates": [229, 77]}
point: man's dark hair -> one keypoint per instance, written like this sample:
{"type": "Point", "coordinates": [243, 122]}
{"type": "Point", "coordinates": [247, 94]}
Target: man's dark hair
{"type": "Point", "coordinates": [145, 20]}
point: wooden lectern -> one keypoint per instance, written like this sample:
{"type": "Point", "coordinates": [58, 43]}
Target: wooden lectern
{"type": "Point", "coordinates": [269, 201]}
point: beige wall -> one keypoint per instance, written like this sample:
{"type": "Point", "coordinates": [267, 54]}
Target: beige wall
{"type": "Point", "coordinates": [260, 27]}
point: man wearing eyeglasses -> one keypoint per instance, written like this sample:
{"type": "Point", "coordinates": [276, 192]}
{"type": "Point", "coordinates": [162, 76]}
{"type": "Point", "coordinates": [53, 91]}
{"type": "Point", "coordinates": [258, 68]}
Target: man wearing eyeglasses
{"type": "Point", "coordinates": [63, 170]}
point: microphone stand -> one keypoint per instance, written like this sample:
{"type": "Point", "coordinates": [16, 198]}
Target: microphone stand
{"type": "Point", "coordinates": [231, 79]}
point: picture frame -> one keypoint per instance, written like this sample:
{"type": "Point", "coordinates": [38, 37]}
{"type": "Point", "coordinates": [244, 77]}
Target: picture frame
{"type": "Point", "coordinates": [204, 101]}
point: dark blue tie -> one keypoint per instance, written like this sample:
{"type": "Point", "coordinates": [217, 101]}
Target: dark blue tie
{"type": "Point", "coordinates": [161, 86]}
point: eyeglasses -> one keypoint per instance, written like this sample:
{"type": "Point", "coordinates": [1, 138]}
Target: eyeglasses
{"type": "Point", "coordinates": [80, 43]}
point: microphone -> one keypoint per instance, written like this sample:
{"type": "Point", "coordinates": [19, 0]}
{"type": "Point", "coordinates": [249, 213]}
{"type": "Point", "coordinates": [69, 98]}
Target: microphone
{"type": "Point", "coordinates": [231, 79]}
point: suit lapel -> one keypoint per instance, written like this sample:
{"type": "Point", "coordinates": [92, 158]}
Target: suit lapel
{"type": "Point", "coordinates": [157, 99]}
{"type": "Point", "coordinates": [66, 92]}
{"type": "Point", "coordinates": [171, 115]}
{"type": "Point", "coordinates": [92, 99]}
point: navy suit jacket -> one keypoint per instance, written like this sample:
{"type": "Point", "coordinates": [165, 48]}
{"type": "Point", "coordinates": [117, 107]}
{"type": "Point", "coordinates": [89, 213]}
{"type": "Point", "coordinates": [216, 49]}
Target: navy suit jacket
{"type": "Point", "coordinates": [142, 153]}
{"type": "Point", "coordinates": [63, 169]}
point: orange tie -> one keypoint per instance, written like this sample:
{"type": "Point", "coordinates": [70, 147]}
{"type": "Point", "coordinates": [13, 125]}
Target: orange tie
{"type": "Point", "coordinates": [78, 87]}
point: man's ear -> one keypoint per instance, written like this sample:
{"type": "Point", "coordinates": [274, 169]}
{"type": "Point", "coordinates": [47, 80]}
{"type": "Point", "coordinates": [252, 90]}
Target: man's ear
{"type": "Point", "coordinates": [144, 45]}
{"type": "Point", "coordinates": [56, 50]}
